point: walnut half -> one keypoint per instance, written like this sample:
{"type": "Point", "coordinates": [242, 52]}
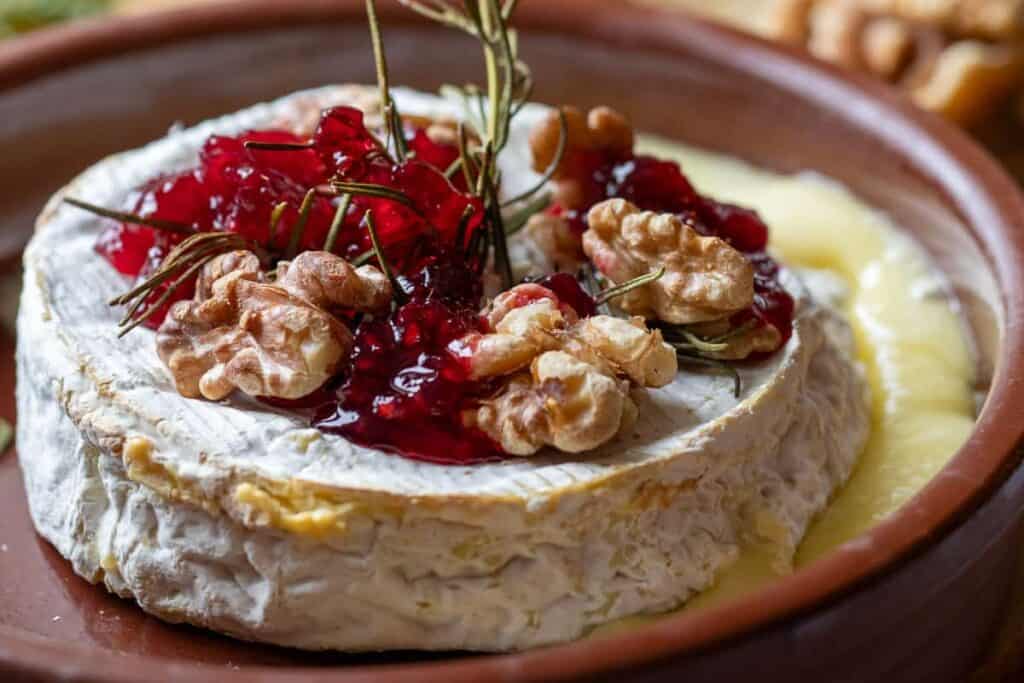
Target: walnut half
{"type": "Point", "coordinates": [561, 401]}
{"type": "Point", "coordinates": [575, 393]}
{"type": "Point", "coordinates": [705, 278]}
{"type": "Point", "coordinates": [274, 340]}
{"type": "Point", "coordinates": [602, 129]}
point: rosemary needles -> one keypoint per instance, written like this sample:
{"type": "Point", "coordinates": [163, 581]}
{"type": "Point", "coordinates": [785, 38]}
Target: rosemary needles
{"type": "Point", "coordinates": [155, 223]}
{"type": "Point", "coordinates": [180, 266]}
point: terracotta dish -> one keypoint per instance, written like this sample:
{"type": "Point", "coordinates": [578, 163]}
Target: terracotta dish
{"type": "Point", "coordinates": [916, 598]}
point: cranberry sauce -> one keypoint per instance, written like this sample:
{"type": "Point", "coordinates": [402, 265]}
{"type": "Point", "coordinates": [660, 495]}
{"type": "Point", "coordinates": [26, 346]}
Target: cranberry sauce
{"type": "Point", "coordinates": [236, 189]}
{"type": "Point", "coordinates": [405, 391]}
{"type": "Point", "coordinates": [568, 290]}
{"type": "Point", "coordinates": [657, 185]}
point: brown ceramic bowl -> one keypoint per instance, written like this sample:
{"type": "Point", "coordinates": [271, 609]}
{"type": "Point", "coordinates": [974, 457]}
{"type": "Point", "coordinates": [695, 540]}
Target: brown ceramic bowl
{"type": "Point", "coordinates": [916, 598]}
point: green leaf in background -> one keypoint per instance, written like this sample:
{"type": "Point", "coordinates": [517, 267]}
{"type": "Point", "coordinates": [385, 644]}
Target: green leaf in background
{"type": "Point", "coordinates": [6, 435]}
{"type": "Point", "coordinates": [17, 16]}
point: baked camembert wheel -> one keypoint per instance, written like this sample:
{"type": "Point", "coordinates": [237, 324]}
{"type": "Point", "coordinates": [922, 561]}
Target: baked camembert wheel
{"type": "Point", "coordinates": [393, 377]}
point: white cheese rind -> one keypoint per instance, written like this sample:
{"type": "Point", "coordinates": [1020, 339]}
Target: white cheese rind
{"type": "Point", "coordinates": [244, 521]}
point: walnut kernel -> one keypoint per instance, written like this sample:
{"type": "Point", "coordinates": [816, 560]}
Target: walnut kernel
{"type": "Point", "coordinates": [240, 332]}
{"type": "Point", "coordinates": [705, 278]}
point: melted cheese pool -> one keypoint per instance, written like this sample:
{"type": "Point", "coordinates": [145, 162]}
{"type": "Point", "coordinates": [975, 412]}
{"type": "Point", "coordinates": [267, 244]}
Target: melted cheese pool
{"type": "Point", "coordinates": [912, 344]}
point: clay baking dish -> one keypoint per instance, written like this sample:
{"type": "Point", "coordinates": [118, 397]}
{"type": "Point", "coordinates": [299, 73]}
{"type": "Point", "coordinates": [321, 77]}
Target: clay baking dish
{"type": "Point", "coordinates": [917, 598]}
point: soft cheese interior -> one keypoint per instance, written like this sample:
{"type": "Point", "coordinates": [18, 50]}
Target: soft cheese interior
{"type": "Point", "coordinates": [244, 520]}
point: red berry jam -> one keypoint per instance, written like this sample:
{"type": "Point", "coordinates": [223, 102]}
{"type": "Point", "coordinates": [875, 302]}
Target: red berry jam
{"type": "Point", "coordinates": [405, 391]}
{"type": "Point", "coordinates": [236, 189]}
{"type": "Point", "coordinates": [436, 208]}
{"type": "Point", "coordinates": [342, 142]}
{"type": "Point", "coordinates": [127, 247]}
{"type": "Point", "coordinates": [569, 291]}
{"type": "Point", "coordinates": [439, 155]}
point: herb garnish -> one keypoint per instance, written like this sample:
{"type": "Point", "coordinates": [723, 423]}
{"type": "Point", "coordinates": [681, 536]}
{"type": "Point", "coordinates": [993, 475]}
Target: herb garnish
{"type": "Point", "coordinates": [6, 435]}
{"type": "Point", "coordinates": [509, 85]}
{"type": "Point", "coordinates": [155, 223]}
{"type": "Point", "coordinates": [180, 266]}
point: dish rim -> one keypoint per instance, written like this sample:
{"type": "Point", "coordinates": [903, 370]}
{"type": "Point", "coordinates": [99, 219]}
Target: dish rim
{"type": "Point", "coordinates": [986, 199]}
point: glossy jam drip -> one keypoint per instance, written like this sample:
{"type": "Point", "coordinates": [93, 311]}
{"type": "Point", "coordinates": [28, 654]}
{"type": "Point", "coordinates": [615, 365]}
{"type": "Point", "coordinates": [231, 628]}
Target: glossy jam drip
{"type": "Point", "coordinates": [405, 392]}
{"type": "Point", "coordinates": [568, 290]}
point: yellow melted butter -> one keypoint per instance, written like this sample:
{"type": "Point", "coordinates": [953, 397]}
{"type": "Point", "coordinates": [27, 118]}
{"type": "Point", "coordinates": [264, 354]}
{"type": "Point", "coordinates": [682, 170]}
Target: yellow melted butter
{"type": "Point", "coordinates": [297, 511]}
{"type": "Point", "coordinates": [909, 338]}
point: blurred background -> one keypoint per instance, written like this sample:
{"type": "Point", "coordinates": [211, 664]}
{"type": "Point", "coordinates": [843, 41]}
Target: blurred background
{"type": "Point", "coordinates": [963, 59]}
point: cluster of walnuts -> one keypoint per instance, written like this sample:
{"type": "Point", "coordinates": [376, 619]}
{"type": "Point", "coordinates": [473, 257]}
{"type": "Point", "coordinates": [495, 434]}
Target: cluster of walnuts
{"type": "Point", "coordinates": [568, 378]}
{"type": "Point", "coordinates": [705, 279]}
{"type": "Point", "coordinates": [564, 381]}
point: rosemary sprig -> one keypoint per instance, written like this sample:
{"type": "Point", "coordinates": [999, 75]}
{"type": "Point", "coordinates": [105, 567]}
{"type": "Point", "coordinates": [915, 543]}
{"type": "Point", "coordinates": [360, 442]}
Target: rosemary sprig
{"type": "Point", "coordinates": [362, 259]}
{"type": "Point", "coordinates": [6, 435]}
{"type": "Point", "coordinates": [501, 260]}
{"type": "Point", "coordinates": [737, 381]}
{"type": "Point", "coordinates": [443, 13]}
{"type": "Point", "coordinates": [460, 232]}
{"type": "Point", "coordinates": [702, 345]}
{"type": "Point", "coordinates": [590, 281]}
{"type": "Point", "coordinates": [378, 251]}
{"type": "Point", "coordinates": [300, 224]}
{"type": "Point", "coordinates": [275, 217]}
{"type": "Point", "coordinates": [372, 190]}
{"type": "Point", "coordinates": [156, 223]}
{"type": "Point", "coordinates": [515, 221]}
{"type": "Point", "coordinates": [696, 349]}
{"type": "Point", "coordinates": [478, 248]}
{"type": "Point", "coordinates": [736, 331]}
{"type": "Point", "coordinates": [192, 249]}
{"type": "Point", "coordinates": [180, 265]}
{"type": "Point", "coordinates": [469, 168]}
{"type": "Point", "coordinates": [486, 170]}
{"type": "Point", "coordinates": [278, 146]}
{"type": "Point", "coordinates": [563, 139]}
{"type": "Point", "coordinates": [499, 57]}
{"type": "Point", "coordinates": [628, 286]}
{"type": "Point", "coordinates": [392, 119]}
{"type": "Point", "coordinates": [453, 168]}
{"type": "Point", "coordinates": [508, 87]}
{"type": "Point", "coordinates": [336, 222]}
{"type": "Point", "coordinates": [471, 101]}
{"type": "Point", "coordinates": [132, 321]}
